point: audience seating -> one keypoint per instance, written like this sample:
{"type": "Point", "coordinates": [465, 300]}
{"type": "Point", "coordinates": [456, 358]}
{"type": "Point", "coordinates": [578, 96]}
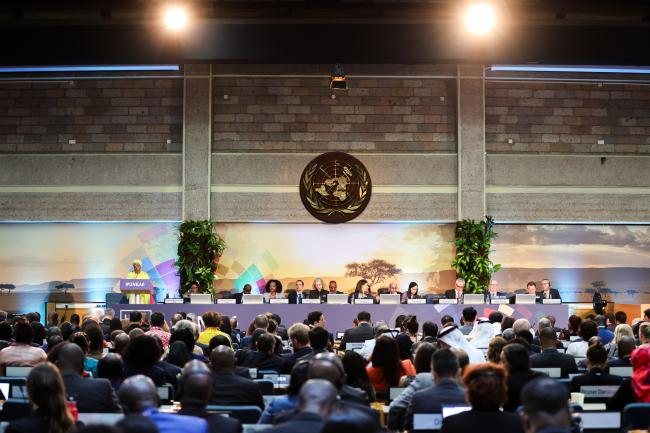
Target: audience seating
{"type": "Point", "coordinates": [14, 409]}
{"type": "Point", "coordinates": [636, 416]}
{"type": "Point", "coordinates": [245, 414]}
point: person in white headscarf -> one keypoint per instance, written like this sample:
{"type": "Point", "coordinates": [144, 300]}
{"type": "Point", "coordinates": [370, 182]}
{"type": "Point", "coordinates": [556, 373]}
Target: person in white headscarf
{"type": "Point", "coordinates": [482, 334]}
{"type": "Point", "coordinates": [452, 337]}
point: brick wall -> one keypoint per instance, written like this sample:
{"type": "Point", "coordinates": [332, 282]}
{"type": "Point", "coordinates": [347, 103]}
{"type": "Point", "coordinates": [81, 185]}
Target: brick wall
{"type": "Point", "coordinates": [298, 114]}
{"type": "Point", "coordinates": [119, 115]}
{"type": "Point", "coordinates": [551, 117]}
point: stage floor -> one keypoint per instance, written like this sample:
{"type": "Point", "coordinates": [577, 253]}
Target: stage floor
{"type": "Point", "coordinates": [340, 317]}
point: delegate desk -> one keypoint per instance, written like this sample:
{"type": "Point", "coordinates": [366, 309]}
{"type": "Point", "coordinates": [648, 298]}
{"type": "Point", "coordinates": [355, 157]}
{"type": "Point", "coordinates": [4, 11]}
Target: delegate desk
{"type": "Point", "coordinates": [339, 317]}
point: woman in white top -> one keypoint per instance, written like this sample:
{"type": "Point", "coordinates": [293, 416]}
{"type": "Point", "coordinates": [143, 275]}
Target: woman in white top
{"type": "Point", "coordinates": [273, 290]}
{"type": "Point", "coordinates": [578, 348]}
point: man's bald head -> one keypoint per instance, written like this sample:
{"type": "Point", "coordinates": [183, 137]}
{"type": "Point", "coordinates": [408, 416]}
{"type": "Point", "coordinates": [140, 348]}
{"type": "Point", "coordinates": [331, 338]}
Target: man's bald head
{"type": "Point", "coordinates": [327, 369]}
{"type": "Point", "coordinates": [138, 393]}
{"type": "Point", "coordinates": [222, 359]}
{"type": "Point", "coordinates": [121, 342]}
{"type": "Point", "coordinates": [195, 384]}
{"type": "Point", "coordinates": [71, 358]}
{"type": "Point", "coordinates": [317, 396]}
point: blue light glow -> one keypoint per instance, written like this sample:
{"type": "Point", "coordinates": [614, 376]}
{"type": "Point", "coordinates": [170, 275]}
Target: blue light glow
{"type": "Point", "coordinates": [575, 69]}
{"type": "Point", "coordinates": [112, 68]}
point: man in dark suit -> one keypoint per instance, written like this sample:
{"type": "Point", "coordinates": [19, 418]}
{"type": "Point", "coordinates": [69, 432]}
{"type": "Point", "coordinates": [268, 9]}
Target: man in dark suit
{"type": "Point", "coordinates": [596, 365]}
{"type": "Point", "coordinates": [550, 357]}
{"type": "Point", "coordinates": [626, 346]}
{"type": "Point", "coordinates": [263, 358]}
{"type": "Point", "coordinates": [228, 388]}
{"type": "Point", "coordinates": [246, 290]}
{"type": "Point", "coordinates": [494, 293]}
{"type": "Point", "coordinates": [548, 292]}
{"type": "Point", "coordinates": [91, 395]}
{"type": "Point", "coordinates": [296, 296]}
{"type": "Point", "coordinates": [299, 337]}
{"type": "Point", "coordinates": [457, 292]}
{"type": "Point", "coordinates": [333, 290]}
{"type": "Point", "coordinates": [545, 407]}
{"type": "Point", "coordinates": [194, 392]}
{"type": "Point", "coordinates": [315, 402]}
{"type": "Point", "coordinates": [446, 390]}
{"type": "Point", "coordinates": [360, 333]}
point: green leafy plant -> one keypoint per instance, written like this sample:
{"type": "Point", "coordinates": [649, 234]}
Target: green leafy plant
{"type": "Point", "coordinates": [199, 249]}
{"type": "Point", "coordinates": [472, 261]}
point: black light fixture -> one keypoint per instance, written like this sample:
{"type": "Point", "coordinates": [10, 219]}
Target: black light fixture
{"type": "Point", "coordinates": [337, 78]}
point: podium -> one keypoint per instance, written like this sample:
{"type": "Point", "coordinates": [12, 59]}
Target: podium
{"type": "Point", "coordinates": [136, 291]}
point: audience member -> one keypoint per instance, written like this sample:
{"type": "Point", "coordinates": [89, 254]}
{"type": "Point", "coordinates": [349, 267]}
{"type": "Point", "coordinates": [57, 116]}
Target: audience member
{"type": "Point", "coordinates": [263, 358]}
{"type": "Point", "coordinates": [446, 320]}
{"type": "Point", "coordinates": [487, 392]}
{"type": "Point", "coordinates": [138, 395]}
{"type": "Point", "coordinates": [81, 340]}
{"type": "Point", "coordinates": [47, 396]}
{"type": "Point", "coordinates": [550, 357]}
{"type": "Point", "coordinates": [450, 336]}
{"type": "Point", "coordinates": [260, 322]}
{"type": "Point", "coordinates": [405, 340]}
{"type": "Point", "coordinates": [445, 390]}
{"type": "Point", "coordinates": [469, 316]}
{"type": "Point", "coordinates": [134, 423]}
{"type": "Point", "coordinates": [494, 349]}
{"type": "Point", "coordinates": [545, 408]}
{"type": "Point", "coordinates": [111, 368]}
{"type": "Point", "coordinates": [157, 328]}
{"type": "Point", "coordinates": [193, 393]}
{"type": "Point", "coordinates": [596, 370]}
{"type": "Point", "coordinates": [516, 360]}
{"type": "Point", "coordinates": [315, 402]}
{"type": "Point", "coordinates": [299, 338]}
{"type": "Point", "coordinates": [626, 346]}
{"type": "Point", "coordinates": [90, 395]}
{"type": "Point", "coordinates": [620, 331]}
{"type": "Point", "coordinates": [360, 333]}
{"type": "Point", "coordinates": [328, 366]}
{"type": "Point", "coordinates": [141, 357]}
{"type": "Point", "coordinates": [482, 334]}
{"type": "Point", "coordinates": [283, 404]}
{"type": "Point", "coordinates": [229, 388]}
{"type": "Point", "coordinates": [212, 321]}
{"type": "Point", "coordinates": [386, 368]}
{"type": "Point", "coordinates": [21, 353]}
{"type": "Point", "coordinates": [605, 334]}
{"type": "Point", "coordinates": [319, 340]}
{"type": "Point", "coordinates": [578, 348]}
{"type": "Point", "coordinates": [507, 323]}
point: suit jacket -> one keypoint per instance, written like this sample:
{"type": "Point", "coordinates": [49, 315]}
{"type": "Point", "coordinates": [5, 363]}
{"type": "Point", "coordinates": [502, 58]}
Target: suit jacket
{"type": "Point", "coordinates": [451, 294]}
{"type": "Point", "coordinates": [216, 423]}
{"type": "Point", "coordinates": [91, 395]}
{"type": "Point", "coordinates": [300, 423]}
{"type": "Point", "coordinates": [430, 400]}
{"type": "Point", "coordinates": [349, 394]}
{"type": "Point", "coordinates": [552, 292]}
{"type": "Point", "coordinates": [230, 389]}
{"type": "Point", "coordinates": [290, 359]}
{"type": "Point", "coordinates": [595, 377]}
{"type": "Point", "coordinates": [489, 422]}
{"type": "Point", "coordinates": [173, 423]}
{"type": "Point", "coordinates": [516, 382]}
{"type": "Point", "coordinates": [261, 361]}
{"type": "Point", "coordinates": [552, 358]}
{"type": "Point", "coordinates": [358, 334]}
{"type": "Point", "coordinates": [620, 362]}
{"type": "Point", "coordinates": [293, 296]}
{"type": "Point", "coordinates": [488, 297]}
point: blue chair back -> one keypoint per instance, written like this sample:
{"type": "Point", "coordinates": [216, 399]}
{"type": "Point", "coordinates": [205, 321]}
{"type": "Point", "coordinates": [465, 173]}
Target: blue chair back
{"type": "Point", "coordinates": [636, 416]}
{"type": "Point", "coordinates": [245, 414]}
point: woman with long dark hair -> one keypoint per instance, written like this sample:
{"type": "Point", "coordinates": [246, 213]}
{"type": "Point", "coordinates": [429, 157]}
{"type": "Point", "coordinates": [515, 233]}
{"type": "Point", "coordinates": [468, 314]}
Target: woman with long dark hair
{"type": "Point", "coordinates": [411, 293]}
{"type": "Point", "coordinates": [386, 368]}
{"type": "Point", "coordinates": [356, 374]}
{"type": "Point", "coordinates": [362, 291]}
{"type": "Point", "coordinates": [48, 400]}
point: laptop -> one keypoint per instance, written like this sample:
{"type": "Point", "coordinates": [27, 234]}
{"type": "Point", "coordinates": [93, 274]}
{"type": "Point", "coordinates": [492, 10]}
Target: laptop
{"type": "Point", "coordinates": [252, 299]}
{"type": "Point", "coordinates": [473, 298]}
{"type": "Point", "coordinates": [339, 335]}
{"type": "Point", "coordinates": [203, 298]}
{"type": "Point", "coordinates": [389, 299]}
{"type": "Point", "coordinates": [525, 299]}
{"type": "Point", "coordinates": [337, 299]}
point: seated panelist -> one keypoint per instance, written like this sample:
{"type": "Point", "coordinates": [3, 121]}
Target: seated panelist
{"type": "Point", "coordinates": [457, 291]}
{"type": "Point", "coordinates": [362, 291]}
{"type": "Point", "coordinates": [411, 293]}
{"type": "Point", "coordinates": [273, 290]}
{"type": "Point", "coordinates": [317, 290]}
{"type": "Point", "coordinates": [333, 290]}
{"type": "Point", "coordinates": [494, 293]}
{"type": "Point", "coordinates": [548, 292]}
{"type": "Point", "coordinates": [246, 290]}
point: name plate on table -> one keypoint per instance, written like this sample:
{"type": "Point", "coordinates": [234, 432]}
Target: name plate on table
{"type": "Point", "coordinates": [226, 301]}
{"type": "Point", "coordinates": [599, 391]}
{"type": "Point", "coordinates": [448, 301]}
{"type": "Point", "coordinates": [311, 301]}
{"type": "Point", "coordinates": [416, 301]}
{"type": "Point", "coordinates": [174, 300]}
{"type": "Point", "coordinates": [278, 301]}
{"type": "Point", "coordinates": [364, 301]}
{"type": "Point", "coordinates": [499, 301]}
{"type": "Point", "coordinates": [551, 301]}
{"type": "Point", "coordinates": [128, 285]}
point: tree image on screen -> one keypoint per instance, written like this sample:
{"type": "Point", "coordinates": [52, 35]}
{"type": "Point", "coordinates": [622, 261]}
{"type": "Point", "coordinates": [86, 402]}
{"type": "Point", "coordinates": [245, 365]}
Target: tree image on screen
{"type": "Point", "coordinates": [375, 271]}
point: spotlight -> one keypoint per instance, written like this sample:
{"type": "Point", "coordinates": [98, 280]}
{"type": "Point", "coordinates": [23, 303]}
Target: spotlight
{"type": "Point", "coordinates": [175, 18]}
{"type": "Point", "coordinates": [480, 18]}
{"type": "Point", "coordinates": [337, 78]}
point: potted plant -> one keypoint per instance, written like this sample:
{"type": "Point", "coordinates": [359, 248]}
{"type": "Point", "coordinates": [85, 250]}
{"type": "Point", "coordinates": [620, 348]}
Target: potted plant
{"type": "Point", "coordinates": [199, 250]}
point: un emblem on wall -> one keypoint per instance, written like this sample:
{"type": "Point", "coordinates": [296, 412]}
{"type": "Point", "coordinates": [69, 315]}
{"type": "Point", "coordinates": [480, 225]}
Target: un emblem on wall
{"type": "Point", "coordinates": [335, 187]}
